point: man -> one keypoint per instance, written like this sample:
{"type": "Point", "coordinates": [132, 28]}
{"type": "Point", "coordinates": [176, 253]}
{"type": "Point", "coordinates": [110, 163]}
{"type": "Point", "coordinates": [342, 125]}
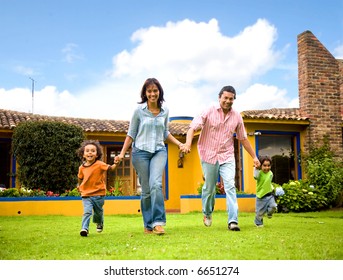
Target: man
{"type": "Point", "coordinates": [216, 149]}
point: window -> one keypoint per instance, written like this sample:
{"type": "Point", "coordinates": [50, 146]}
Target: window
{"type": "Point", "coordinates": [284, 150]}
{"type": "Point", "coordinates": [124, 171]}
{"type": "Point", "coordinates": [5, 163]}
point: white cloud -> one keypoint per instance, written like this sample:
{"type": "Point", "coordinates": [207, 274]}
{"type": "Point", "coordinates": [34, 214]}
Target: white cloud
{"type": "Point", "coordinates": [198, 52]}
{"type": "Point", "coordinates": [47, 101]}
{"type": "Point", "coordinates": [192, 60]}
{"type": "Point", "coordinates": [71, 53]}
{"type": "Point", "coordinates": [18, 99]}
{"type": "Point", "coordinates": [259, 97]}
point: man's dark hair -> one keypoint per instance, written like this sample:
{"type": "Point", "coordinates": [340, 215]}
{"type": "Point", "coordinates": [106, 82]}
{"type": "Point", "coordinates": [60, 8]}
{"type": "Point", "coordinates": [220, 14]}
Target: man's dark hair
{"type": "Point", "coordinates": [229, 89]}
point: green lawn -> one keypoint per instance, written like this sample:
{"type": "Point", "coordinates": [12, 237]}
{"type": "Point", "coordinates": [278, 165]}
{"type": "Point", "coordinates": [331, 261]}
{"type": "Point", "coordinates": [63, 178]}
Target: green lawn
{"type": "Point", "coordinates": [292, 236]}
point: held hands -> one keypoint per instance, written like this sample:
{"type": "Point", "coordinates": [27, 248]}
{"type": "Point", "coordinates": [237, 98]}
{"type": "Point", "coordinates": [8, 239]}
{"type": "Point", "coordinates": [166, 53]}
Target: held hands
{"type": "Point", "coordinates": [257, 163]}
{"type": "Point", "coordinates": [118, 159]}
{"type": "Point", "coordinates": [184, 148]}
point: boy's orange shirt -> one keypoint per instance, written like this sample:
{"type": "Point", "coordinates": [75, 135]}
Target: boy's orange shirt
{"type": "Point", "coordinates": [93, 179]}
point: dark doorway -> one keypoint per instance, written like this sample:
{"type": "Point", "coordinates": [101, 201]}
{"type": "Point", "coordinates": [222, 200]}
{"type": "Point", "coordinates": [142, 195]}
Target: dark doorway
{"type": "Point", "coordinates": [5, 163]}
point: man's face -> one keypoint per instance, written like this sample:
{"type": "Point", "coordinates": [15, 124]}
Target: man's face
{"type": "Point", "coordinates": [226, 101]}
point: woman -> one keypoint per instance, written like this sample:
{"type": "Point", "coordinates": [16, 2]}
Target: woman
{"type": "Point", "coordinates": [147, 132]}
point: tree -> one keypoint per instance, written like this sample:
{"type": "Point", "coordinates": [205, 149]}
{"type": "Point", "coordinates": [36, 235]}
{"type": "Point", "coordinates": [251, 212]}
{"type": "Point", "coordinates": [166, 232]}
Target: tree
{"type": "Point", "coordinates": [46, 152]}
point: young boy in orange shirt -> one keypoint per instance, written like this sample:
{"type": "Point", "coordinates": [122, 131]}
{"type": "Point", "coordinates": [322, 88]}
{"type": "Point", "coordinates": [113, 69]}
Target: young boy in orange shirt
{"type": "Point", "coordinates": [92, 184]}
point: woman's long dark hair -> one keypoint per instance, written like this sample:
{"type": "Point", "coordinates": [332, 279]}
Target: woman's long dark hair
{"type": "Point", "coordinates": [148, 82]}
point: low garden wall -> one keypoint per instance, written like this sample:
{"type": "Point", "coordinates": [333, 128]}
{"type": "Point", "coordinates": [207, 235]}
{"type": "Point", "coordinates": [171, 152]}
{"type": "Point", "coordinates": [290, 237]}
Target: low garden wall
{"type": "Point", "coordinates": [68, 206]}
{"type": "Point", "coordinates": [72, 206]}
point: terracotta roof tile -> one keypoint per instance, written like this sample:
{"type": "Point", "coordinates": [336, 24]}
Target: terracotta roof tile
{"type": "Point", "coordinates": [10, 119]}
{"type": "Point", "coordinates": [274, 114]}
{"type": "Point", "coordinates": [179, 129]}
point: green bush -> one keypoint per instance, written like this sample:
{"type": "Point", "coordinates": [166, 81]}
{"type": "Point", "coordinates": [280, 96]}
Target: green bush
{"type": "Point", "coordinates": [325, 171]}
{"type": "Point", "coordinates": [301, 197]}
{"type": "Point", "coordinates": [323, 187]}
{"type": "Point", "coordinates": [46, 154]}
{"type": "Point", "coordinates": [12, 192]}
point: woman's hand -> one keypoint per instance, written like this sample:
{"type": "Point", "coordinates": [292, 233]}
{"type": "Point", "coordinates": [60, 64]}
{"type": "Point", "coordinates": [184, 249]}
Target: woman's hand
{"type": "Point", "coordinates": [185, 148]}
{"type": "Point", "coordinates": [118, 159]}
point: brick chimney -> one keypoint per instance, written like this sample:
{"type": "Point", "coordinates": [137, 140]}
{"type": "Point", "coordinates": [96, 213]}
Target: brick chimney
{"type": "Point", "coordinates": [320, 93]}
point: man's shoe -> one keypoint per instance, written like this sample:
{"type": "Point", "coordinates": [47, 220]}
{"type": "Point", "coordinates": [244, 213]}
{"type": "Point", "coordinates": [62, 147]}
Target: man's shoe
{"type": "Point", "coordinates": [99, 227]}
{"type": "Point", "coordinates": [259, 226]}
{"type": "Point", "coordinates": [84, 232]}
{"type": "Point", "coordinates": [234, 227]}
{"type": "Point", "coordinates": [158, 230]}
{"type": "Point", "coordinates": [147, 230]}
{"type": "Point", "coordinates": [207, 221]}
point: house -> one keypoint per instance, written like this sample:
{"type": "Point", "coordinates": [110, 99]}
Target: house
{"type": "Point", "coordinates": [282, 133]}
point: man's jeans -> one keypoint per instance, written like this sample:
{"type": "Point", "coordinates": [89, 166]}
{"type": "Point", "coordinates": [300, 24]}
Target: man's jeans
{"type": "Point", "coordinates": [227, 173]}
{"type": "Point", "coordinates": [150, 167]}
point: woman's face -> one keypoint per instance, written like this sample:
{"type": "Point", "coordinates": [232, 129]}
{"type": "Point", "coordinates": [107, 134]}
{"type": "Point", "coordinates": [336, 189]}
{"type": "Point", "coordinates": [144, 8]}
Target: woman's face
{"type": "Point", "coordinates": [152, 93]}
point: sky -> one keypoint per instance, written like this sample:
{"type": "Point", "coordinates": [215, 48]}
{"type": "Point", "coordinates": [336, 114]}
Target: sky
{"type": "Point", "coordinates": [90, 58]}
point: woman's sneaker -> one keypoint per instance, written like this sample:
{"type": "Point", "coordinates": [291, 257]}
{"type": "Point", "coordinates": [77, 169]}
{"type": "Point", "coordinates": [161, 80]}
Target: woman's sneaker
{"type": "Point", "coordinates": [99, 227]}
{"type": "Point", "coordinates": [84, 232]}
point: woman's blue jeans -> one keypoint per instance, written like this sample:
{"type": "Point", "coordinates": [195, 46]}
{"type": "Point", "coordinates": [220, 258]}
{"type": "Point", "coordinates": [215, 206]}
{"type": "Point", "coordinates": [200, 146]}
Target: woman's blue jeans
{"type": "Point", "coordinates": [227, 173]}
{"type": "Point", "coordinates": [90, 204]}
{"type": "Point", "coordinates": [150, 167]}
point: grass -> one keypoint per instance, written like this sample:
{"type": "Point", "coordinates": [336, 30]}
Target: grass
{"type": "Point", "coordinates": [292, 236]}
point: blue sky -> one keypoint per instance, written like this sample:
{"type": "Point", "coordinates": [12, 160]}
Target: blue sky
{"type": "Point", "coordinates": [89, 59]}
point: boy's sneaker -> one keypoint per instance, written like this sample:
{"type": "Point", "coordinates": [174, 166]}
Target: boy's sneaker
{"type": "Point", "coordinates": [84, 232]}
{"type": "Point", "coordinates": [234, 227]}
{"type": "Point", "coordinates": [207, 221]}
{"type": "Point", "coordinates": [99, 227]}
{"type": "Point", "coordinates": [270, 214]}
{"type": "Point", "coordinates": [259, 226]}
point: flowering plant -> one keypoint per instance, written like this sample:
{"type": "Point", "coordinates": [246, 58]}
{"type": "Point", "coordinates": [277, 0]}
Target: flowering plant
{"type": "Point", "coordinates": [116, 190]}
{"type": "Point", "coordinates": [24, 192]}
{"type": "Point", "coordinates": [279, 191]}
{"type": "Point", "coordinates": [219, 188]}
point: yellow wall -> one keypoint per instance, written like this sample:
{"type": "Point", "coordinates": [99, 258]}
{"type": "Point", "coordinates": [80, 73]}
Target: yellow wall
{"type": "Point", "coordinates": [73, 207]}
{"type": "Point", "coordinates": [70, 207]}
{"type": "Point", "coordinates": [182, 180]}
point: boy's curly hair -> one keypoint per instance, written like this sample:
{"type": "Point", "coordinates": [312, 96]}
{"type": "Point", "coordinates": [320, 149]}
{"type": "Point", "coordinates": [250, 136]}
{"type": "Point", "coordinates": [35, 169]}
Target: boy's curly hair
{"type": "Point", "coordinates": [96, 143]}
